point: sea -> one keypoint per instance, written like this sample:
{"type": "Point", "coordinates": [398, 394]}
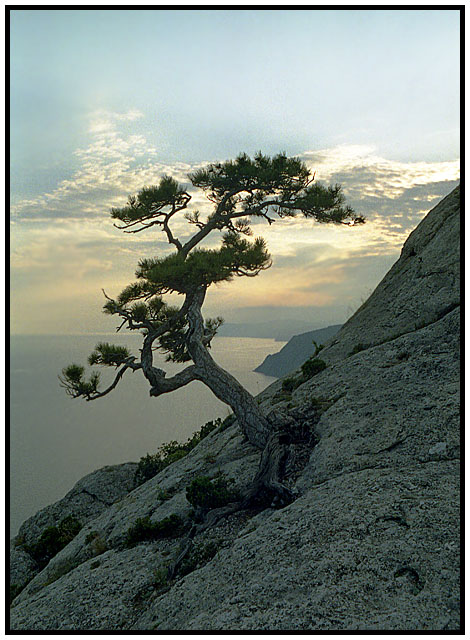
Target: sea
{"type": "Point", "coordinates": [55, 440]}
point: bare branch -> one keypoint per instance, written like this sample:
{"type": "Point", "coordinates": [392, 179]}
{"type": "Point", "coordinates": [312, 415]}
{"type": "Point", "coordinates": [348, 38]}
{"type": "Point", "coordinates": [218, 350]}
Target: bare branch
{"type": "Point", "coordinates": [166, 385]}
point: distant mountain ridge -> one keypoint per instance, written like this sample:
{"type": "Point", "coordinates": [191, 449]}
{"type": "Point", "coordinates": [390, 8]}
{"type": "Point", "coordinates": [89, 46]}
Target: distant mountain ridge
{"type": "Point", "coordinates": [295, 352]}
{"type": "Point", "coordinates": [278, 329]}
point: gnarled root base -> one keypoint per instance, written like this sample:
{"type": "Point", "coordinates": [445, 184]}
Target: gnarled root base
{"type": "Point", "coordinates": [266, 489]}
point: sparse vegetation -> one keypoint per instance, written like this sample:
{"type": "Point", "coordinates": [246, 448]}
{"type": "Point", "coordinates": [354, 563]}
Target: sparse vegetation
{"type": "Point", "coordinates": [151, 464]}
{"type": "Point", "coordinates": [290, 384]}
{"type": "Point", "coordinates": [53, 540]}
{"type": "Point", "coordinates": [199, 556]}
{"type": "Point", "coordinates": [160, 578]}
{"type": "Point", "coordinates": [311, 367]}
{"type": "Point", "coordinates": [144, 529]}
{"type": "Point", "coordinates": [163, 494]}
{"type": "Point", "coordinates": [358, 348]}
{"type": "Point", "coordinates": [211, 493]}
{"type": "Point", "coordinates": [318, 348]}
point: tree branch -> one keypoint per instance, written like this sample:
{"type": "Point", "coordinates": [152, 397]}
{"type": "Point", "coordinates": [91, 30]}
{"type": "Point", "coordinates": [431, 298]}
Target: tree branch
{"type": "Point", "coordinates": [134, 366]}
{"type": "Point", "coordinates": [166, 385]}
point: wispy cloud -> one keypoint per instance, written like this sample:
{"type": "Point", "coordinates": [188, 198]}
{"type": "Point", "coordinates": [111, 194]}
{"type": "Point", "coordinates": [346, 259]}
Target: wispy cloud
{"type": "Point", "coordinates": [65, 235]}
{"type": "Point", "coordinates": [117, 162]}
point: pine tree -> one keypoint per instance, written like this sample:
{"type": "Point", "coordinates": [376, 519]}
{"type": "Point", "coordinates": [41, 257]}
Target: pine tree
{"type": "Point", "coordinates": [240, 191]}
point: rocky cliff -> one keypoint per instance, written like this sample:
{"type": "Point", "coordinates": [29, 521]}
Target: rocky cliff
{"type": "Point", "coordinates": [372, 541]}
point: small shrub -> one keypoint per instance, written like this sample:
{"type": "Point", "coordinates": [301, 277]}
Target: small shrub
{"type": "Point", "coordinates": [91, 536]}
{"type": "Point", "coordinates": [318, 348]}
{"type": "Point", "coordinates": [210, 493]}
{"type": "Point", "coordinates": [160, 578]}
{"type": "Point", "coordinates": [311, 367]}
{"type": "Point", "coordinates": [290, 384]}
{"type": "Point", "coordinates": [53, 540]}
{"type": "Point", "coordinates": [163, 495]}
{"type": "Point", "coordinates": [358, 348]}
{"type": "Point", "coordinates": [198, 557]}
{"type": "Point", "coordinates": [144, 529]}
{"type": "Point", "coordinates": [147, 468]}
{"type": "Point", "coordinates": [151, 464]}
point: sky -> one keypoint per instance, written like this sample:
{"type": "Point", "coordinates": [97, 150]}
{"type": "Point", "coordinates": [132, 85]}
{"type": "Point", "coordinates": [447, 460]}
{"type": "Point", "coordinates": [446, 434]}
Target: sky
{"type": "Point", "coordinates": [104, 102]}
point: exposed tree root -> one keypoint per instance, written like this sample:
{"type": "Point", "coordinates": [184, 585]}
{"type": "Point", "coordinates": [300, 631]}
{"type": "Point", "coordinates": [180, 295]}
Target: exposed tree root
{"type": "Point", "coordinates": [266, 489]}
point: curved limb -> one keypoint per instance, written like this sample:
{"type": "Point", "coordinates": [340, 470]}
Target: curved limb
{"type": "Point", "coordinates": [161, 384]}
{"type": "Point", "coordinates": [73, 388]}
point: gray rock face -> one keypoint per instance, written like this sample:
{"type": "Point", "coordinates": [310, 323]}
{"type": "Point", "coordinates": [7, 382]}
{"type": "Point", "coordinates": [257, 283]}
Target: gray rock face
{"type": "Point", "coordinates": [86, 500]}
{"type": "Point", "coordinates": [371, 543]}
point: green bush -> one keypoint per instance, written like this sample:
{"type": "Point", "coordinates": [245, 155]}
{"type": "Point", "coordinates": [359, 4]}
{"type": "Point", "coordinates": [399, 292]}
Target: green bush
{"type": "Point", "coordinates": [199, 556]}
{"type": "Point", "coordinates": [358, 348]}
{"type": "Point", "coordinates": [53, 540]}
{"type": "Point", "coordinates": [144, 529]}
{"type": "Point", "coordinates": [290, 384]}
{"type": "Point", "coordinates": [210, 493]}
{"type": "Point", "coordinates": [151, 464]}
{"type": "Point", "coordinates": [311, 367]}
{"type": "Point", "coordinates": [160, 578]}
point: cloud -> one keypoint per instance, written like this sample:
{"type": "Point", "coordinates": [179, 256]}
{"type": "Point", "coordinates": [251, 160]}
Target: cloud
{"type": "Point", "coordinates": [65, 248]}
{"type": "Point", "coordinates": [119, 161]}
{"type": "Point", "coordinates": [386, 191]}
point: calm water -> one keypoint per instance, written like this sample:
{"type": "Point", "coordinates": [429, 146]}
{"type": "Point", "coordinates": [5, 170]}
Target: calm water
{"type": "Point", "coordinates": [55, 440]}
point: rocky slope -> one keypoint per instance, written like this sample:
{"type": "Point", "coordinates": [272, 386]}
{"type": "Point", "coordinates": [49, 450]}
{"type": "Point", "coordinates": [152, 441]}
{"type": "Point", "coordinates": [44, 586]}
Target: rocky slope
{"type": "Point", "coordinates": [295, 352]}
{"type": "Point", "coordinates": [372, 541]}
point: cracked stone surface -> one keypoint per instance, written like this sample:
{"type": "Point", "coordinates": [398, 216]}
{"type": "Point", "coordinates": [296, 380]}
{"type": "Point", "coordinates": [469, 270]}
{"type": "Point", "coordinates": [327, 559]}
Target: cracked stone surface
{"type": "Point", "coordinates": [371, 543]}
{"type": "Point", "coordinates": [86, 500]}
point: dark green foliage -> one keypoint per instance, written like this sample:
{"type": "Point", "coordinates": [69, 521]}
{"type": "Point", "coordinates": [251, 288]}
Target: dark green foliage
{"type": "Point", "coordinates": [311, 367]}
{"type": "Point", "coordinates": [210, 493]}
{"type": "Point", "coordinates": [160, 578]}
{"type": "Point", "coordinates": [144, 529]}
{"type": "Point", "coordinates": [74, 383]}
{"type": "Point", "coordinates": [239, 190]}
{"type": "Point", "coordinates": [109, 355]}
{"type": "Point", "coordinates": [53, 540]}
{"type": "Point", "coordinates": [151, 464]}
{"type": "Point", "coordinates": [290, 384]}
{"type": "Point", "coordinates": [150, 201]}
{"type": "Point", "coordinates": [318, 348]}
{"type": "Point", "coordinates": [284, 182]}
{"type": "Point", "coordinates": [358, 348]}
{"type": "Point", "coordinates": [178, 273]}
{"type": "Point", "coordinates": [198, 557]}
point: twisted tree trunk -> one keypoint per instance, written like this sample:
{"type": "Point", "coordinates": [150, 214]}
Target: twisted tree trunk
{"type": "Point", "coordinates": [223, 385]}
{"type": "Point", "coordinates": [264, 432]}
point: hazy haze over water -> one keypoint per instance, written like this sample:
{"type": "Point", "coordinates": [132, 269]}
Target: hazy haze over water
{"type": "Point", "coordinates": [56, 440]}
